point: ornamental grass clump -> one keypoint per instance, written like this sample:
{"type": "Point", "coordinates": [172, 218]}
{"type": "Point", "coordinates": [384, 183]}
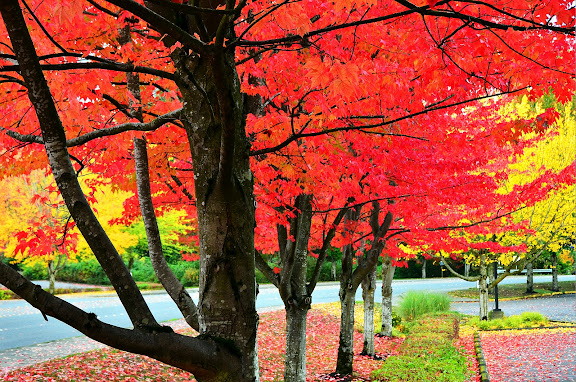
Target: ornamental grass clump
{"type": "Point", "coordinates": [415, 304]}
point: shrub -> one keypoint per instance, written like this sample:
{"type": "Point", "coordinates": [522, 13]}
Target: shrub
{"type": "Point", "coordinates": [524, 320]}
{"type": "Point", "coordinates": [191, 277]}
{"type": "Point", "coordinates": [415, 304]}
{"type": "Point", "coordinates": [143, 271]}
{"type": "Point", "coordinates": [86, 271]}
{"type": "Point", "coordinates": [35, 271]}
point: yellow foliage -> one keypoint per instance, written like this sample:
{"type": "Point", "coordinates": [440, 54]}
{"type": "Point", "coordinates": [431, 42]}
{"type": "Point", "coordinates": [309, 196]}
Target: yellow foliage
{"type": "Point", "coordinates": [552, 218]}
{"type": "Point", "coordinates": [109, 206]}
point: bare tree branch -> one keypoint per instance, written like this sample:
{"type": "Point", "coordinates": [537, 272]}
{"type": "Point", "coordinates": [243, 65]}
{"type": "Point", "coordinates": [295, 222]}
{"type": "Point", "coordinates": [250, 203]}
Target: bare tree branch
{"type": "Point", "coordinates": [169, 281]}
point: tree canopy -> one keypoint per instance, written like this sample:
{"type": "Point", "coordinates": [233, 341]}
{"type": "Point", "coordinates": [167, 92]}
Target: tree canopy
{"type": "Point", "coordinates": [232, 110]}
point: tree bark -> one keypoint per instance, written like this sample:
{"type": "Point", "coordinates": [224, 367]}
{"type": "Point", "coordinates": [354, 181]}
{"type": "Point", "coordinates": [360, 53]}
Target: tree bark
{"type": "Point", "coordinates": [51, 277]}
{"type": "Point", "coordinates": [169, 281]}
{"type": "Point", "coordinates": [424, 268]}
{"type": "Point", "coordinates": [387, 277]}
{"type": "Point", "coordinates": [351, 278]}
{"type": "Point", "coordinates": [291, 281]}
{"type": "Point", "coordinates": [224, 200]}
{"type": "Point", "coordinates": [368, 288]}
{"type": "Point", "coordinates": [295, 362]}
{"type": "Point", "coordinates": [344, 363]}
{"type": "Point", "coordinates": [483, 288]}
{"type": "Point", "coordinates": [529, 278]}
{"type": "Point", "coordinates": [554, 259]}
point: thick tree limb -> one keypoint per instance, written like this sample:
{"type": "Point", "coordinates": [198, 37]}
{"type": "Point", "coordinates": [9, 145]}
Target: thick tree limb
{"type": "Point", "coordinates": [202, 357]}
{"type": "Point", "coordinates": [161, 24]}
{"type": "Point", "coordinates": [130, 126]}
{"type": "Point", "coordinates": [115, 66]}
{"type": "Point", "coordinates": [55, 144]}
{"type": "Point", "coordinates": [169, 281]}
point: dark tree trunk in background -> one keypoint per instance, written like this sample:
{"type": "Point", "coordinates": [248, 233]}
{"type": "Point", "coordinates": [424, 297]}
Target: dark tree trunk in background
{"type": "Point", "coordinates": [554, 259]}
{"type": "Point", "coordinates": [350, 279]}
{"type": "Point", "coordinates": [529, 278]}
{"type": "Point", "coordinates": [424, 262]}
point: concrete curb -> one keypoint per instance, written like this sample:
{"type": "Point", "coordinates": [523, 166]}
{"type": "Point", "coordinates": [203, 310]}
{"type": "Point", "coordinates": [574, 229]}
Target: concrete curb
{"type": "Point", "coordinates": [484, 376]}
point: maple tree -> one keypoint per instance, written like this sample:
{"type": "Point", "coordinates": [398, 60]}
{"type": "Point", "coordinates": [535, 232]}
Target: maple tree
{"type": "Point", "coordinates": [41, 231]}
{"type": "Point", "coordinates": [536, 226]}
{"type": "Point", "coordinates": [195, 90]}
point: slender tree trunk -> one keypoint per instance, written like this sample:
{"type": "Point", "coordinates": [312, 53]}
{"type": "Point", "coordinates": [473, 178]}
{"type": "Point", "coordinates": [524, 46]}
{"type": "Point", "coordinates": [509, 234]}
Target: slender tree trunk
{"type": "Point", "coordinates": [387, 277]}
{"type": "Point", "coordinates": [529, 278]}
{"type": "Point", "coordinates": [368, 288]}
{"type": "Point", "coordinates": [483, 288]}
{"type": "Point", "coordinates": [293, 288]}
{"type": "Point", "coordinates": [333, 274]}
{"type": "Point", "coordinates": [51, 277]}
{"type": "Point", "coordinates": [423, 268]}
{"type": "Point", "coordinates": [295, 362]}
{"type": "Point", "coordinates": [466, 268]}
{"type": "Point", "coordinates": [555, 287]}
{"type": "Point", "coordinates": [345, 359]}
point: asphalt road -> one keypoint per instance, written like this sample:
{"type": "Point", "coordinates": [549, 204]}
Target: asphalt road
{"type": "Point", "coordinates": [22, 325]}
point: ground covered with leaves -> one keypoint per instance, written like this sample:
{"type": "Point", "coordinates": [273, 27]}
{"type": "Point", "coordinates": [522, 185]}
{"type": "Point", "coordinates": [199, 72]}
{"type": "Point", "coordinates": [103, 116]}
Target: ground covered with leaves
{"type": "Point", "coordinates": [530, 355]}
{"type": "Point", "coordinates": [323, 328]}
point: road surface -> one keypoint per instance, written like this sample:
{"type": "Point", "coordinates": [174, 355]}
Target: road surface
{"type": "Point", "coordinates": [22, 325]}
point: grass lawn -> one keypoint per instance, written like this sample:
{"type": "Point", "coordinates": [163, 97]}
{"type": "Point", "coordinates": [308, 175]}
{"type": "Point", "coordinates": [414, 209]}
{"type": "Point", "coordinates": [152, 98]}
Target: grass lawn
{"type": "Point", "coordinates": [518, 290]}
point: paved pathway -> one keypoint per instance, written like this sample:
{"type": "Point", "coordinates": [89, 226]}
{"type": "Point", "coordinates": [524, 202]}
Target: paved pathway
{"type": "Point", "coordinates": [558, 308]}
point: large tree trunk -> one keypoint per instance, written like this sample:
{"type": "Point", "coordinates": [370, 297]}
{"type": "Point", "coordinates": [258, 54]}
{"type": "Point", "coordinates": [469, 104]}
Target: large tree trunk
{"type": "Point", "coordinates": [224, 201]}
{"type": "Point", "coordinates": [483, 288]}
{"type": "Point", "coordinates": [368, 288]}
{"type": "Point", "coordinates": [295, 362]}
{"type": "Point", "coordinates": [344, 363]}
{"type": "Point", "coordinates": [387, 277]}
{"type": "Point", "coordinates": [529, 278]}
